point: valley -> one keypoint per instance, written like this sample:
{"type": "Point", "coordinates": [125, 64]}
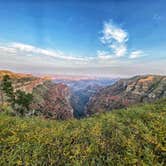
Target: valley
{"type": "Point", "coordinates": [81, 90]}
{"type": "Point", "coordinates": [64, 98]}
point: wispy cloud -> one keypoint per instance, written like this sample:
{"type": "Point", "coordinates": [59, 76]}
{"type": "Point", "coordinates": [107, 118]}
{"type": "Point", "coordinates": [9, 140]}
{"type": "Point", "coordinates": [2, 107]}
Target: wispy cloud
{"type": "Point", "coordinates": [29, 50]}
{"type": "Point", "coordinates": [119, 49]}
{"type": "Point", "coordinates": [114, 38]}
{"type": "Point", "coordinates": [103, 55]}
{"type": "Point", "coordinates": [27, 58]}
{"type": "Point", "coordinates": [136, 54]}
{"type": "Point", "coordinates": [111, 32]}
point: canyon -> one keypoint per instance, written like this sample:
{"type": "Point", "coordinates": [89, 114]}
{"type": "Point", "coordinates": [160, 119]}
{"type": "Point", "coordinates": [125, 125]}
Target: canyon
{"type": "Point", "coordinates": [126, 92]}
{"type": "Point", "coordinates": [77, 97]}
{"type": "Point", "coordinates": [82, 89]}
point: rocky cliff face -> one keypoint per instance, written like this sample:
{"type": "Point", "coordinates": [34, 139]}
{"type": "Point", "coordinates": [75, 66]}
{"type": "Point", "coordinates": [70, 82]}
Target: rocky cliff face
{"type": "Point", "coordinates": [54, 101]}
{"type": "Point", "coordinates": [82, 89]}
{"type": "Point", "coordinates": [50, 100]}
{"type": "Point", "coordinates": [126, 92]}
{"type": "Point", "coordinates": [60, 101]}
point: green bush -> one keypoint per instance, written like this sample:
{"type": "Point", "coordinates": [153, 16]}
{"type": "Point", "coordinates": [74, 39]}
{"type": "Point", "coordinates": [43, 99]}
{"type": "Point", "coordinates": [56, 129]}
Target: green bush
{"type": "Point", "coordinates": [133, 136]}
{"type": "Point", "coordinates": [19, 100]}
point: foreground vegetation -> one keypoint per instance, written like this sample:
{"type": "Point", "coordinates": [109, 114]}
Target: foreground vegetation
{"type": "Point", "coordinates": [133, 136]}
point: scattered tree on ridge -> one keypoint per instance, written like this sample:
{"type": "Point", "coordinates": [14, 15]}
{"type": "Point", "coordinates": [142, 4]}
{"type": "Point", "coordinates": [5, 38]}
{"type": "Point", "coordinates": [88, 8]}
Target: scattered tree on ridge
{"type": "Point", "coordinates": [19, 100]}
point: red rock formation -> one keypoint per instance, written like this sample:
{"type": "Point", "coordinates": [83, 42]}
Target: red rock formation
{"type": "Point", "coordinates": [29, 85]}
{"type": "Point", "coordinates": [52, 100]}
{"type": "Point", "coordinates": [57, 104]}
{"type": "Point", "coordinates": [14, 75]}
{"type": "Point", "coordinates": [128, 91]}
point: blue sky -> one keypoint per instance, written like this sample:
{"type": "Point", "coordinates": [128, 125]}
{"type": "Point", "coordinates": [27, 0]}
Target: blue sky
{"type": "Point", "coordinates": [116, 38]}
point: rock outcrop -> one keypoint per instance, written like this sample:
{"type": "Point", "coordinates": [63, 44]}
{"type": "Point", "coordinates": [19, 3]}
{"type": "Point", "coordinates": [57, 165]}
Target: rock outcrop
{"type": "Point", "coordinates": [49, 99]}
{"type": "Point", "coordinates": [126, 92]}
{"type": "Point", "coordinates": [57, 103]}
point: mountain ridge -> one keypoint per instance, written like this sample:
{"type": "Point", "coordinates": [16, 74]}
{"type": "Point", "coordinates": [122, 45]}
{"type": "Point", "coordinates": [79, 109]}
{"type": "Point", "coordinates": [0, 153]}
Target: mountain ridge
{"type": "Point", "coordinates": [65, 99]}
{"type": "Point", "coordinates": [50, 100]}
{"type": "Point", "coordinates": [125, 92]}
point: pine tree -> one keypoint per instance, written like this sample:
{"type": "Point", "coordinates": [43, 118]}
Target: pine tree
{"type": "Point", "coordinates": [23, 101]}
{"type": "Point", "coordinates": [19, 100]}
{"type": "Point", "coordinates": [7, 88]}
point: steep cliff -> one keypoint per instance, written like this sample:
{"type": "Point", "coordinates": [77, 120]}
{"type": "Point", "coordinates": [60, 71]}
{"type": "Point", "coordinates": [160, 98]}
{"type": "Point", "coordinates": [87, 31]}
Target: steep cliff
{"type": "Point", "coordinates": [126, 92]}
{"type": "Point", "coordinates": [82, 89]}
{"type": "Point", "coordinates": [49, 99]}
{"type": "Point", "coordinates": [52, 101]}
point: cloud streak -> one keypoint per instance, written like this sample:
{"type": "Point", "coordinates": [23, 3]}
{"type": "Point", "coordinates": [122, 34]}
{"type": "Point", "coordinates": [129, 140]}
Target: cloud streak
{"type": "Point", "coordinates": [115, 58]}
{"type": "Point", "coordinates": [113, 37]}
{"type": "Point", "coordinates": [103, 55]}
{"type": "Point", "coordinates": [136, 54]}
{"type": "Point", "coordinates": [20, 48]}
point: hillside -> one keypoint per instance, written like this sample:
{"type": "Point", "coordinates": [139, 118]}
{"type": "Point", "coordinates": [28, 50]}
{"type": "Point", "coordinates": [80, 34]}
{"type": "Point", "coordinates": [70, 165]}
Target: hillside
{"type": "Point", "coordinates": [14, 75]}
{"type": "Point", "coordinates": [50, 100]}
{"type": "Point", "coordinates": [133, 136]}
{"type": "Point", "coordinates": [126, 92]}
{"type": "Point", "coordinates": [82, 90]}
{"type": "Point", "coordinates": [64, 99]}
{"type": "Point", "coordinates": [25, 82]}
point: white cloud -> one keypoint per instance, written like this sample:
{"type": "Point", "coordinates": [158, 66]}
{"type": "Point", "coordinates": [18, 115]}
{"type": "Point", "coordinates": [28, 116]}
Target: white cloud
{"type": "Point", "coordinates": [29, 50]}
{"type": "Point", "coordinates": [7, 49]}
{"type": "Point", "coordinates": [136, 54]}
{"type": "Point", "coordinates": [111, 32]}
{"type": "Point", "coordinates": [24, 48]}
{"type": "Point", "coordinates": [119, 49]}
{"type": "Point", "coordinates": [103, 55]}
{"type": "Point", "coordinates": [114, 38]}
{"type": "Point", "coordinates": [26, 58]}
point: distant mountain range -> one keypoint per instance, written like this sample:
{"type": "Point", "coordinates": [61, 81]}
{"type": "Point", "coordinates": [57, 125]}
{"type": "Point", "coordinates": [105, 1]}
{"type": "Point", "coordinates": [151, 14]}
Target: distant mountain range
{"type": "Point", "coordinates": [82, 89]}
{"type": "Point", "coordinates": [127, 92]}
{"type": "Point", "coordinates": [14, 75]}
{"type": "Point", "coordinates": [65, 98]}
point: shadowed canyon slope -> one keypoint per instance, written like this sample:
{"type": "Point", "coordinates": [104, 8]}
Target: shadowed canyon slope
{"type": "Point", "coordinates": [49, 99]}
{"type": "Point", "coordinates": [65, 98]}
{"type": "Point", "coordinates": [81, 89]}
{"type": "Point", "coordinates": [126, 92]}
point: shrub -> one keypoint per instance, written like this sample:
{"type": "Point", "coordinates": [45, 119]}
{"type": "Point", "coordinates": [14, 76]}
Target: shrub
{"type": "Point", "coordinates": [19, 100]}
{"type": "Point", "coordinates": [23, 101]}
{"type": "Point", "coordinates": [133, 136]}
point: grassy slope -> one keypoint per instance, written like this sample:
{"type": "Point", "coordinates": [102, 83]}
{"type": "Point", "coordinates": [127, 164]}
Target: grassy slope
{"type": "Point", "coordinates": [134, 136]}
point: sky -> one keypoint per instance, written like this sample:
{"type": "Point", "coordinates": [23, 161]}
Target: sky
{"type": "Point", "coordinates": [75, 37]}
